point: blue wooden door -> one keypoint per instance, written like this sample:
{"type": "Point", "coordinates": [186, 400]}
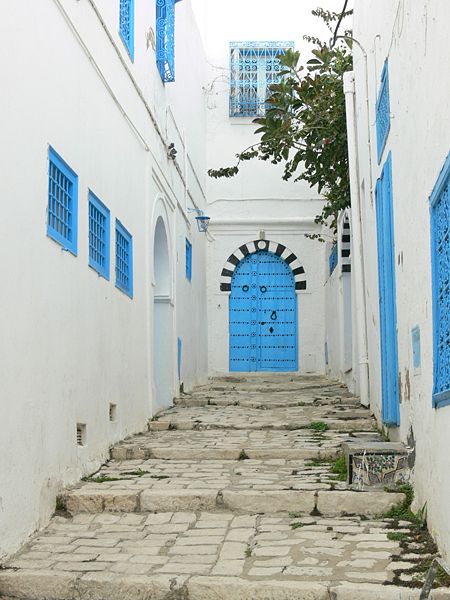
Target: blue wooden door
{"type": "Point", "coordinates": [263, 315]}
{"type": "Point", "coordinates": [387, 296]}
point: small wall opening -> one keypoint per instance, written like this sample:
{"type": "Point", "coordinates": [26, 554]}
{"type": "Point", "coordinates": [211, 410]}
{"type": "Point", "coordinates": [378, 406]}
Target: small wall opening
{"type": "Point", "coordinates": [113, 413]}
{"type": "Point", "coordinates": [81, 434]}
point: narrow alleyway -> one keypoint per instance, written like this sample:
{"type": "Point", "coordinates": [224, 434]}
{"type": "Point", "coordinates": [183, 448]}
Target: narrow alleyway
{"type": "Point", "coordinates": [236, 493]}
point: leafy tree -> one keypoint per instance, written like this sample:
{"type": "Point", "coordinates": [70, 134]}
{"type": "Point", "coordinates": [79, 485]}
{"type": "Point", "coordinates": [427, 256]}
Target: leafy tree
{"type": "Point", "coordinates": [305, 126]}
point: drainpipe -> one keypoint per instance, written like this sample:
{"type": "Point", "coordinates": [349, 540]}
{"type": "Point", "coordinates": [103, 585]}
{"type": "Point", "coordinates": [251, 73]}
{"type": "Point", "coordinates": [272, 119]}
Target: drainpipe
{"type": "Point", "coordinates": [357, 246]}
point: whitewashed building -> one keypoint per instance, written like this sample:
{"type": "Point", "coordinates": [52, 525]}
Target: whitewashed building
{"type": "Point", "coordinates": [399, 143]}
{"type": "Point", "coordinates": [111, 113]}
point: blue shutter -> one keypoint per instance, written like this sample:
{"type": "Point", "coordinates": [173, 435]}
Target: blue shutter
{"type": "Point", "coordinates": [126, 25]}
{"type": "Point", "coordinates": [99, 233]}
{"type": "Point", "coordinates": [440, 251]}
{"type": "Point", "coordinates": [383, 111]}
{"type": "Point", "coordinates": [124, 260]}
{"type": "Point", "coordinates": [188, 260]}
{"type": "Point", "coordinates": [62, 218]}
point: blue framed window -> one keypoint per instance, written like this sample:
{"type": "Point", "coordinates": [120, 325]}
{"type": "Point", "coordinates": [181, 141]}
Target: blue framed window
{"type": "Point", "coordinates": [440, 252]}
{"type": "Point", "coordinates": [254, 66]}
{"type": "Point", "coordinates": [188, 260]}
{"type": "Point", "coordinates": [99, 226]}
{"type": "Point", "coordinates": [62, 216]}
{"type": "Point", "coordinates": [124, 259]}
{"type": "Point", "coordinates": [126, 25]}
{"type": "Point", "coordinates": [333, 258]}
{"type": "Point", "coordinates": [383, 111]}
{"type": "Point", "coordinates": [165, 39]}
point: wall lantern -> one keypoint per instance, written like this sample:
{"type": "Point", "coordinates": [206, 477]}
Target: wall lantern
{"type": "Point", "coordinates": [202, 219]}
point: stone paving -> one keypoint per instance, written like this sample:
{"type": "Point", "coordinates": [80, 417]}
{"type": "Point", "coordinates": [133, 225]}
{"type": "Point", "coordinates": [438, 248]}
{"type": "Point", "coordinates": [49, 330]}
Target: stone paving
{"type": "Point", "coordinates": [239, 502]}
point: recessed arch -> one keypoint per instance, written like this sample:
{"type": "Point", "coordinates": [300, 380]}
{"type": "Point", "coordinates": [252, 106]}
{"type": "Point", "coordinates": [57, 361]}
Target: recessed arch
{"type": "Point", "coordinates": [256, 246]}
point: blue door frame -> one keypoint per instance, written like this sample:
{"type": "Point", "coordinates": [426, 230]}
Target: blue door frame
{"type": "Point", "coordinates": [387, 296]}
{"type": "Point", "coordinates": [263, 315]}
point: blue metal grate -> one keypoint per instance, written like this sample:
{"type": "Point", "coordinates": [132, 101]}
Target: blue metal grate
{"type": "Point", "coordinates": [126, 25]}
{"type": "Point", "coordinates": [188, 260]}
{"type": "Point", "coordinates": [440, 236]}
{"type": "Point", "coordinates": [333, 258]}
{"type": "Point", "coordinates": [99, 224]}
{"type": "Point", "coordinates": [62, 202]}
{"type": "Point", "coordinates": [124, 260]}
{"type": "Point", "coordinates": [383, 112]}
{"type": "Point", "coordinates": [254, 66]}
{"type": "Point", "coordinates": [165, 39]}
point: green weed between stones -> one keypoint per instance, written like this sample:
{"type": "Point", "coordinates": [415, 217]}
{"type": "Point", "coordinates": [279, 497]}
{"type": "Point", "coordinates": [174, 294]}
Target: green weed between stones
{"type": "Point", "coordinates": [396, 536]}
{"type": "Point", "coordinates": [318, 426]}
{"type": "Point", "coordinates": [339, 468]}
{"type": "Point", "coordinates": [296, 525]}
{"type": "Point", "coordinates": [60, 503]}
{"type": "Point", "coordinates": [402, 511]}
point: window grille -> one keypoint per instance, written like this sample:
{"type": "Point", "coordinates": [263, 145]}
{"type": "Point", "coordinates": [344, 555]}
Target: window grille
{"type": "Point", "coordinates": [254, 66]}
{"type": "Point", "coordinates": [333, 258]}
{"type": "Point", "coordinates": [165, 39]}
{"type": "Point", "coordinates": [383, 112]}
{"type": "Point", "coordinates": [440, 237]}
{"type": "Point", "coordinates": [124, 260]}
{"type": "Point", "coordinates": [188, 260]}
{"type": "Point", "coordinates": [126, 25]}
{"type": "Point", "coordinates": [99, 224]}
{"type": "Point", "coordinates": [62, 202]}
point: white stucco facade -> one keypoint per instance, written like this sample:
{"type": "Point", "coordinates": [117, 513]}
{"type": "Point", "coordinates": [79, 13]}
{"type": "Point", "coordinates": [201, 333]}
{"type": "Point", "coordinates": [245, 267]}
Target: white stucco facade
{"type": "Point", "coordinates": [72, 343]}
{"type": "Point", "coordinates": [412, 37]}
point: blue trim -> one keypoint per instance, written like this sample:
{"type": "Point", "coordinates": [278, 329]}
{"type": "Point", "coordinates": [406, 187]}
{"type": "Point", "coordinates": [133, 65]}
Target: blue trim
{"type": "Point", "coordinates": [126, 25]}
{"type": "Point", "coordinates": [440, 398]}
{"type": "Point", "coordinates": [387, 296]}
{"type": "Point", "coordinates": [179, 348]}
{"type": "Point", "coordinates": [415, 339]}
{"type": "Point", "coordinates": [99, 235]}
{"type": "Point", "coordinates": [124, 260]}
{"type": "Point", "coordinates": [383, 112]}
{"type": "Point", "coordinates": [333, 258]}
{"type": "Point", "coordinates": [188, 260]}
{"type": "Point", "coordinates": [62, 229]}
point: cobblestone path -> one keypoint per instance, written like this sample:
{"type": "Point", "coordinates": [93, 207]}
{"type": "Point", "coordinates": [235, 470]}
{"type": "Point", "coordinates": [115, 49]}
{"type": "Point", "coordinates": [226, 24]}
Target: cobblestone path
{"type": "Point", "coordinates": [233, 494]}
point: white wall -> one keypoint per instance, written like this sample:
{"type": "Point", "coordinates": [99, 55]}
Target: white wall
{"type": "Point", "coordinates": [412, 34]}
{"type": "Point", "coordinates": [71, 343]}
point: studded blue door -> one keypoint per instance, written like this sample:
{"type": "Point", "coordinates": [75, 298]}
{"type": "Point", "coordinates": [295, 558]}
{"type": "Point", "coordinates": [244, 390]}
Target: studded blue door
{"type": "Point", "coordinates": [387, 297]}
{"type": "Point", "coordinates": [263, 315]}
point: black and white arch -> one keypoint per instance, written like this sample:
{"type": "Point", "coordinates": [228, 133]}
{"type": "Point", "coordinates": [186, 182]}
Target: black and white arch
{"type": "Point", "coordinates": [255, 246]}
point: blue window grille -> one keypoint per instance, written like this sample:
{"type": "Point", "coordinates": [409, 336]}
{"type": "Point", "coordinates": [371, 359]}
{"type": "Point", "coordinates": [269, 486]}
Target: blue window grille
{"type": "Point", "coordinates": [188, 260]}
{"type": "Point", "coordinates": [254, 66]}
{"type": "Point", "coordinates": [126, 25]}
{"type": "Point", "coordinates": [62, 202]}
{"type": "Point", "coordinates": [333, 258]}
{"type": "Point", "coordinates": [165, 39]}
{"type": "Point", "coordinates": [383, 112]}
{"type": "Point", "coordinates": [440, 245]}
{"type": "Point", "coordinates": [99, 225]}
{"type": "Point", "coordinates": [124, 259]}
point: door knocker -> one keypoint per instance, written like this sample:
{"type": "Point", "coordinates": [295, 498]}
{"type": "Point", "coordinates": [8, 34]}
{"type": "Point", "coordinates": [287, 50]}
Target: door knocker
{"type": "Point", "coordinates": [263, 289]}
{"type": "Point", "coordinates": [245, 288]}
{"type": "Point", "coordinates": [273, 316]}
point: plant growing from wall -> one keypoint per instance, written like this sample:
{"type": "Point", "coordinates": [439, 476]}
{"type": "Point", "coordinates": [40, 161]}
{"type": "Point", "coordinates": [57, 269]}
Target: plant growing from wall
{"type": "Point", "coordinates": [304, 127]}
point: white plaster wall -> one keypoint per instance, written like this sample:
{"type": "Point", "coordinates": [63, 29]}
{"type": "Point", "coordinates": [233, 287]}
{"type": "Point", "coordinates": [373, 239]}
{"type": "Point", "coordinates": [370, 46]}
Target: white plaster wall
{"type": "Point", "coordinates": [413, 35]}
{"type": "Point", "coordinates": [71, 343]}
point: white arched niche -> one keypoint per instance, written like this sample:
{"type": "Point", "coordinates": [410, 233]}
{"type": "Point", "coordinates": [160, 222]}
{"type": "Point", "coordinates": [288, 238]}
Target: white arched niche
{"type": "Point", "coordinates": [162, 320]}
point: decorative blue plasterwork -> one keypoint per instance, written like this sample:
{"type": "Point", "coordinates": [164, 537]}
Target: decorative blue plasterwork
{"type": "Point", "coordinates": [254, 66]}
{"type": "Point", "coordinates": [126, 25]}
{"type": "Point", "coordinates": [383, 111]}
{"type": "Point", "coordinates": [440, 252]}
{"type": "Point", "coordinates": [165, 39]}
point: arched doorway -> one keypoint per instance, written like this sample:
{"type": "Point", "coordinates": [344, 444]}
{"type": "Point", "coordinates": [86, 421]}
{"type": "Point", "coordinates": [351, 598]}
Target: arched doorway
{"type": "Point", "coordinates": [162, 321]}
{"type": "Point", "coordinates": [263, 315]}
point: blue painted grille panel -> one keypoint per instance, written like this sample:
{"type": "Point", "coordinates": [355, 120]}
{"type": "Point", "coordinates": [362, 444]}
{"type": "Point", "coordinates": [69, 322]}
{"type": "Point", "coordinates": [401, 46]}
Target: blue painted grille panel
{"type": "Point", "coordinates": [440, 234]}
{"type": "Point", "coordinates": [126, 25]}
{"type": "Point", "coordinates": [263, 315]}
{"type": "Point", "coordinates": [62, 202]}
{"type": "Point", "coordinates": [383, 112]}
{"type": "Point", "coordinates": [188, 260]}
{"type": "Point", "coordinates": [99, 224]}
{"type": "Point", "coordinates": [124, 260]}
{"type": "Point", "coordinates": [165, 39]}
{"type": "Point", "coordinates": [254, 66]}
{"type": "Point", "coordinates": [387, 297]}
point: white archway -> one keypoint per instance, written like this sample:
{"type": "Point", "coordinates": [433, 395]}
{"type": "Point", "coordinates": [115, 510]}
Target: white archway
{"type": "Point", "coordinates": [162, 346]}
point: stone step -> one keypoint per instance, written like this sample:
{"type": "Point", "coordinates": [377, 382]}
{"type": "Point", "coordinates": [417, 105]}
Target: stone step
{"type": "Point", "coordinates": [216, 556]}
{"type": "Point", "coordinates": [286, 418]}
{"type": "Point", "coordinates": [228, 444]}
{"type": "Point", "coordinates": [283, 400]}
{"type": "Point", "coordinates": [246, 486]}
